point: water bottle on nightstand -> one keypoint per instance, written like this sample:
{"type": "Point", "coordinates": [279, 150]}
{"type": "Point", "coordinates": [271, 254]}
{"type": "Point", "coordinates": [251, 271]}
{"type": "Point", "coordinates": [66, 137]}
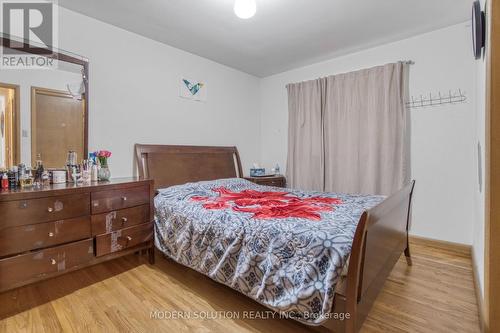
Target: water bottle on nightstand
{"type": "Point", "coordinates": [277, 169]}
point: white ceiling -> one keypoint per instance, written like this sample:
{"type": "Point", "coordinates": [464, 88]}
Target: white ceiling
{"type": "Point", "coordinates": [284, 34]}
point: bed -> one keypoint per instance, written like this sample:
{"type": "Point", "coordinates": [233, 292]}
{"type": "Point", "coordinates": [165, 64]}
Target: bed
{"type": "Point", "coordinates": [319, 258]}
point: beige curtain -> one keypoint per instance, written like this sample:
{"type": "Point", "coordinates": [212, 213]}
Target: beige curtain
{"type": "Point", "coordinates": [305, 161]}
{"type": "Point", "coordinates": [362, 135]}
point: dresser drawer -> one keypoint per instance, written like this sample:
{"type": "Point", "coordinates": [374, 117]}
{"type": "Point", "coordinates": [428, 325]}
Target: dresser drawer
{"type": "Point", "coordinates": [31, 211]}
{"type": "Point", "coordinates": [277, 181]}
{"type": "Point", "coordinates": [124, 238]}
{"type": "Point", "coordinates": [35, 265]}
{"type": "Point", "coordinates": [272, 182]}
{"type": "Point", "coordinates": [119, 219]}
{"type": "Point", "coordinates": [106, 201]}
{"type": "Point", "coordinates": [35, 236]}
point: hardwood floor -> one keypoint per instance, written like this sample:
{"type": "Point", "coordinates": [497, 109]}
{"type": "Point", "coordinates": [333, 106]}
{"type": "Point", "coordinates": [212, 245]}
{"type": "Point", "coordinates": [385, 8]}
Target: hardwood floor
{"type": "Point", "coordinates": [435, 295]}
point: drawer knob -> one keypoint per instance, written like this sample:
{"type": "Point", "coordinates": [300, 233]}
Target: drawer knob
{"type": "Point", "coordinates": [124, 198]}
{"type": "Point", "coordinates": [124, 220]}
{"type": "Point", "coordinates": [129, 238]}
{"type": "Point", "coordinates": [50, 209]}
{"type": "Point", "coordinates": [53, 261]}
{"type": "Point", "coordinates": [51, 234]}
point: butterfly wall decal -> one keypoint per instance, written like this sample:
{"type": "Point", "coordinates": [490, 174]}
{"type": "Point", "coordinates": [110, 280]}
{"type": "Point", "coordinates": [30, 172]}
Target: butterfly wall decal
{"type": "Point", "coordinates": [193, 88]}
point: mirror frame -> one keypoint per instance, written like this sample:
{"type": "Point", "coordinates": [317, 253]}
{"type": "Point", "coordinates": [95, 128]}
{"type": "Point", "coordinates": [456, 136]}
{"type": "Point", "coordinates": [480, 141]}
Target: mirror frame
{"type": "Point", "coordinates": [57, 55]}
{"type": "Point", "coordinates": [16, 121]}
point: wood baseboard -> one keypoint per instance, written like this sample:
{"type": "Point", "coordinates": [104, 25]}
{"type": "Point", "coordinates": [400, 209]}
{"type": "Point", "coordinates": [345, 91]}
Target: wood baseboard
{"type": "Point", "coordinates": [450, 246]}
{"type": "Point", "coordinates": [479, 293]}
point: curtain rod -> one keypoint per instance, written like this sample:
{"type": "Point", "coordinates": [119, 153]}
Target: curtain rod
{"type": "Point", "coordinates": [405, 62]}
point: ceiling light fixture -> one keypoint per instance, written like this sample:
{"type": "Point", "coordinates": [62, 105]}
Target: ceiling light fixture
{"type": "Point", "coordinates": [245, 9]}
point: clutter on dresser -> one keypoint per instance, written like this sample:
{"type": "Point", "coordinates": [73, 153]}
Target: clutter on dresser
{"type": "Point", "coordinates": [16, 176]}
{"type": "Point", "coordinates": [93, 169]}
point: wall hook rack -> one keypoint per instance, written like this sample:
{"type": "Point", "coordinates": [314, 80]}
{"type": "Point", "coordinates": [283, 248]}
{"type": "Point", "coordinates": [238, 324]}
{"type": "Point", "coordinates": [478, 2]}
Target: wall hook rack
{"type": "Point", "coordinates": [440, 99]}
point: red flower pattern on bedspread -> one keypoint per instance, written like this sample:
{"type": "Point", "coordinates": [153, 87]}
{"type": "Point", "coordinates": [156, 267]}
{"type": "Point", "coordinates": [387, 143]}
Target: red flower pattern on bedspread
{"type": "Point", "coordinates": [265, 205]}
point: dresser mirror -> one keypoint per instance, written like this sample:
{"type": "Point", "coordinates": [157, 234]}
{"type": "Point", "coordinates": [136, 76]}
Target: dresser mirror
{"type": "Point", "coordinates": [43, 111]}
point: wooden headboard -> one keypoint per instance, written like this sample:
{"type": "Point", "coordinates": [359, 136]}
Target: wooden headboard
{"type": "Point", "coordinates": [174, 165]}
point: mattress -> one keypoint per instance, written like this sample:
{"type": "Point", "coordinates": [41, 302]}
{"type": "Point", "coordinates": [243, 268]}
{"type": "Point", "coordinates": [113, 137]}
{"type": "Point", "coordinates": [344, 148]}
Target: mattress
{"type": "Point", "coordinates": [284, 248]}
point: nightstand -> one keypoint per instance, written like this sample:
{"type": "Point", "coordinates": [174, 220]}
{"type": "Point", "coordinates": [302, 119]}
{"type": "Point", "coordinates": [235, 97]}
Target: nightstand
{"type": "Point", "coordinates": [275, 180]}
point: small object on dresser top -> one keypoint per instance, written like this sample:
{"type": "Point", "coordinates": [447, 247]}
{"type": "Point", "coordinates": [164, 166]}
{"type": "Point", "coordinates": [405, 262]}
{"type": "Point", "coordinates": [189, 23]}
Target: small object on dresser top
{"type": "Point", "coordinates": [58, 176]}
{"type": "Point", "coordinates": [94, 172]}
{"type": "Point", "coordinates": [94, 168]}
{"type": "Point", "coordinates": [12, 175]}
{"type": "Point", "coordinates": [26, 182]}
{"type": "Point", "coordinates": [38, 171]}
{"type": "Point", "coordinates": [102, 156]}
{"type": "Point", "coordinates": [86, 171]}
{"type": "Point", "coordinates": [5, 181]}
{"type": "Point", "coordinates": [45, 178]}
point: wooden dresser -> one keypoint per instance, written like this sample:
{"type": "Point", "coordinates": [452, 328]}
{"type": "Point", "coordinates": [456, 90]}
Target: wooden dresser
{"type": "Point", "coordinates": [276, 180]}
{"type": "Point", "coordinates": [61, 228]}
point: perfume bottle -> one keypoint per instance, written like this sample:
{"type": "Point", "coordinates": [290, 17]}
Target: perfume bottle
{"type": "Point", "coordinates": [71, 165]}
{"type": "Point", "coordinates": [12, 176]}
{"type": "Point", "coordinates": [38, 172]}
{"type": "Point", "coordinates": [5, 181]}
{"type": "Point", "coordinates": [94, 172]}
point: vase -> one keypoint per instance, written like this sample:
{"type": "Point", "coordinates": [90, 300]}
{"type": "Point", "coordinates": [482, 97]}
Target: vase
{"type": "Point", "coordinates": [104, 174]}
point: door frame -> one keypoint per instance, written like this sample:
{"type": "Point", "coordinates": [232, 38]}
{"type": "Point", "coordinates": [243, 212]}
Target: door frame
{"type": "Point", "coordinates": [492, 194]}
{"type": "Point", "coordinates": [57, 93]}
{"type": "Point", "coordinates": [16, 121]}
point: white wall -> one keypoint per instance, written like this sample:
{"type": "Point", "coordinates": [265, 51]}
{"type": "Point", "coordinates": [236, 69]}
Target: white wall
{"type": "Point", "coordinates": [479, 199]}
{"type": "Point", "coordinates": [442, 137]}
{"type": "Point", "coordinates": [134, 88]}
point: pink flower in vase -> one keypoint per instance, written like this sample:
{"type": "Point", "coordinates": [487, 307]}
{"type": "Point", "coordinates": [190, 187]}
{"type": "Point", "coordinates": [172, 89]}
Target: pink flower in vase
{"type": "Point", "coordinates": [102, 156]}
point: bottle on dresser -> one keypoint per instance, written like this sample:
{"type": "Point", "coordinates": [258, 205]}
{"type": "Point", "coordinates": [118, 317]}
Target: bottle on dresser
{"type": "Point", "coordinates": [4, 180]}
{"type": "Point", "coordinates": [71, 165]}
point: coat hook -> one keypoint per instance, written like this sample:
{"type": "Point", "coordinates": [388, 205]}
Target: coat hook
{"type": "Point", "coordinates": [439, 99]}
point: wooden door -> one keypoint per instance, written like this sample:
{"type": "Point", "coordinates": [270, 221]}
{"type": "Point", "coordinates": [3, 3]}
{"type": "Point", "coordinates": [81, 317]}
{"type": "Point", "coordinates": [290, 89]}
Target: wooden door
{"type": "Point", "coordinates": [492, 228]}
{"type": "Point", "coordinates": [57, 126]}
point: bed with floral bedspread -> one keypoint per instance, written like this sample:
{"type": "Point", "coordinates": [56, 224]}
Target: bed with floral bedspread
{"type": "Point", "coordinates": [284, 248]}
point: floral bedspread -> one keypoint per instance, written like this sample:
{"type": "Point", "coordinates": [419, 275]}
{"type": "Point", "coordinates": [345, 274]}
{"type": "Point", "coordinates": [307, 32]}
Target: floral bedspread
{"type": "Point", "coordinates": [284, 248]}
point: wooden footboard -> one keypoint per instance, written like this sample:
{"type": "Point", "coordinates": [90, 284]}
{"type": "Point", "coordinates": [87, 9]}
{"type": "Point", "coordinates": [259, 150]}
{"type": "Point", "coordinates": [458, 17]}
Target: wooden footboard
{"type": "Point", "coordinates": [381, 237]}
